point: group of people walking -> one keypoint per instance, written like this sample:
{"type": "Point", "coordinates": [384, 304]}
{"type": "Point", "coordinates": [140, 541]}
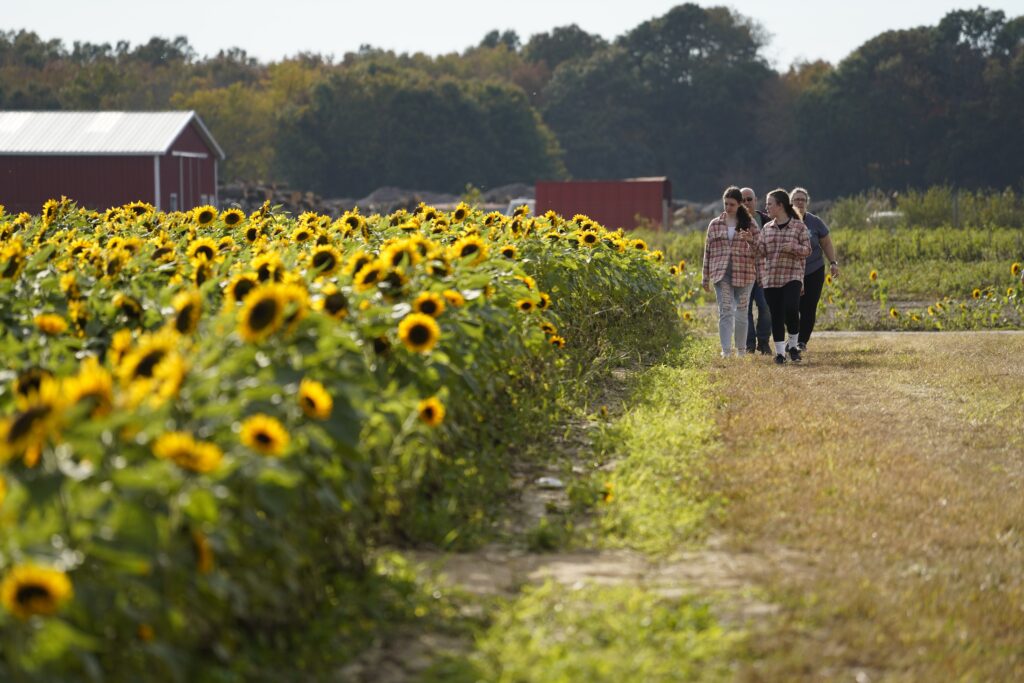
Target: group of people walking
{"type": "Point", "coordinates": [773, 259]}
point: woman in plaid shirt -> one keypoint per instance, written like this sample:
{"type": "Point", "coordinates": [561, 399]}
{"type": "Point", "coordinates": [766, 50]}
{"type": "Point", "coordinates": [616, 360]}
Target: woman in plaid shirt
{"type": "Point", "coordinates": [785, 246]}
{"type": "Point", "coordinates": [730, 254]}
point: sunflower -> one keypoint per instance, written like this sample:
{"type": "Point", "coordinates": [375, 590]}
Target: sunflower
{"type": "Point", "coordinates": [325, 260]}
{"type": "Point", "coordinates": [556, 341]}
{"type": "Point", "coordinates": [303, 233]}
{"type": "Point", "coordinates": [128, 305]}
{"type": "Point", "coordinates": [152, 349]}
{"type": "Point", "coordinates": [419, 332]}
{"type": "Point", "coordinates": [401, 253]}
{"type": "Point", "coordinates": [187, 453]}
{"type": "Point", "coordinates": [530, 283]}
{"type": "Point", "coordinates": [262, 313]}
{"type": "Point", "coordinates": [115, 262]}
{"type": "Point", "coordinates": [893, 313]}
{"type": "Point", "coordinates": [509, 251]}
{"type": "Point", "coordinates": [526, 305]}
{"type": "Point", "coordinates": [314, 399]}
{"type": "Point", "coordinates": [429, 303]}
{"type": "Point", "coordinates": [30, 589]}
{"type": "Point", "coordinates": [369, 275]}
{"type": "Point", "coordinates": [976, 294]}
{"type": "Point", "coordinates": [828, 278]}
{"type": "Point", "coordinates": [264, 434]}
{"type": "Point", "coordinates": [188, 307]}
{"type": "Point", "coordinates": [431, 411]}
{"type": "Point", "coordinates": [268, 267]}
{"type": "Point", "coordinates": [92, 384]}
{"type": "Point", "coordinates": [460, 212]}
{"type": "Point", "coordinates": [225, 244]}
{"type": "Point", "coordinates": [931, 311]}
{"type": "Point", "coordinates": [470, 247]}
{"type": "Point", "coordinates": [356, 262]}
{"type": "Point", "coordinates": [1015, 269]}
{"type": "Point", "coordinates": [545, 301]}
{"type": "Point", "coordinates": [296, 302]}
{"type": "Point", "coordinates": [29, 380]}
{"type": "Point", "coordinates": [51, 324]}
{"type": "Point", "coordinates": [332, 302]}
{"type": "Point", "coordinates": [589, 238]}
{"type": "Point", "coordinates": [454, 298]}
{"type": "Point", "coordinates": [27, 431]}
{"type": "Point", "coordinates": [140, 208]}
{"type": "Point", "coordinates": [548, 328]}
{"type": "Point", "coordinates": [873, 275]}
{"type": "Point", "coordinates": [673, 270]}
{"type": "Point", "coordinates": [3, 490]}
{"type": "Point", "coordinates": [687, 316]}
{"type": "Point", "coordinates": [239, 286]}
{"type": "Point", "coordinates": [204, 246]}
{"type": "Point", "coordinates": [204, 215]}
{"type": "Point", "coordinates": [252, 232]}
{"type": "Point", "coordinates": [232, 217]}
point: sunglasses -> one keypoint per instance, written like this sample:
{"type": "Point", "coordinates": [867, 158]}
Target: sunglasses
{"type": "Point", "coordinates": [748, 199]}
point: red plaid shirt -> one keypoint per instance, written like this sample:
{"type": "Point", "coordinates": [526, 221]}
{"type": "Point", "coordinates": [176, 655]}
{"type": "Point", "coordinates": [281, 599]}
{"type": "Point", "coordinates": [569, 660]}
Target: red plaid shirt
{"type": "Point", "coordinates": [785, 250]}
{"type": "Point", "coordinates": [718, 249]}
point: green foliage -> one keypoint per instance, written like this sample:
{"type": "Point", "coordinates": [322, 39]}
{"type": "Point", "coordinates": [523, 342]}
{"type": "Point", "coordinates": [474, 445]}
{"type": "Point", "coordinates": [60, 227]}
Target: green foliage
{"type": "Point", "coordinates": [555, 634]}
{"type": "Point", "coordinates": [653, 497]}
{"type": "Point", "coordinates": [264, 566]}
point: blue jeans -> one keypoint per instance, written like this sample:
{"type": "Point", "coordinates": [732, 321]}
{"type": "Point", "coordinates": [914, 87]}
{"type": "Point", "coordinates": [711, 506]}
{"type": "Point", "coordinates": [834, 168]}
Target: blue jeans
{"type": "Point", "coordinates": [731, 321]}
{"type": "Point", "coordinates": [764, 317]}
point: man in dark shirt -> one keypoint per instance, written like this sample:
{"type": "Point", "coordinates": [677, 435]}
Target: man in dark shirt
{"type": "Point", "coordinates": [763, 330]}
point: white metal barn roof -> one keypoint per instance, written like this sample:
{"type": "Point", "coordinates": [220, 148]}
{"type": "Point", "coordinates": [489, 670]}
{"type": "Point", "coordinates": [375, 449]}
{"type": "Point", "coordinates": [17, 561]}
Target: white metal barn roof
{"type": "Point", "coordinates": [73, 133]}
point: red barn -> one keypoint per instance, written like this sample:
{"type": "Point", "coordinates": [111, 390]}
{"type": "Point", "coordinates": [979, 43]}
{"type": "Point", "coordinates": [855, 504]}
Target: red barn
{"type": "Point", "coordinates": [104, 159]}
{"type": "Point", "coordinates": [612, 203]}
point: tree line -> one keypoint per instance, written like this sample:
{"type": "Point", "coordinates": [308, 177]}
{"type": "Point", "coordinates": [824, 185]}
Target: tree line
{"type": "Point", "coordinates": [689, 94]}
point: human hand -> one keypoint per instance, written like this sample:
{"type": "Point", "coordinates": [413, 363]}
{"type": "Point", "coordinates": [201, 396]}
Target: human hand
{"type": "Point", "coordinates": [834, 270]}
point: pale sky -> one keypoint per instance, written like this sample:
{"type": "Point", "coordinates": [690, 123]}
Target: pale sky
{"type": "Point", "coordinates": [270, 30]}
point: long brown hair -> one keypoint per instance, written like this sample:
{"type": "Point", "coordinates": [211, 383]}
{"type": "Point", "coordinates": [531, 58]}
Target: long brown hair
{"type": "Point", "coordinates": [743, 218]}
{"type": "Point", "coordinates": [782, 197]}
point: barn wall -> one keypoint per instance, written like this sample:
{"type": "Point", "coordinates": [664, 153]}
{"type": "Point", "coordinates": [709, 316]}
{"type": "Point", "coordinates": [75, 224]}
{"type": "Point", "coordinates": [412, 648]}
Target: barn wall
{"type": "Point", "coordinates": [191, 179]}
{"type": "Point", "coordinates": [94, 182]}
{"type": "Point", "coordinates": [614, 204]}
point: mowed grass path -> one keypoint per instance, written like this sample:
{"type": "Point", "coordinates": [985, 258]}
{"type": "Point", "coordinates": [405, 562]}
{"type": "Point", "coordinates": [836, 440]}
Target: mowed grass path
{"type": "Point", "coordinates": [893, 464]}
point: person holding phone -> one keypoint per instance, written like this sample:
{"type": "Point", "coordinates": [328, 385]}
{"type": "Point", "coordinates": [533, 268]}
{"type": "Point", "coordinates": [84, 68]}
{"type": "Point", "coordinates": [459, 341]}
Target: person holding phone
{"type": "Point", "coordinates": [785, 246]}
{"type": "Point", "coordinates": [730, 255]}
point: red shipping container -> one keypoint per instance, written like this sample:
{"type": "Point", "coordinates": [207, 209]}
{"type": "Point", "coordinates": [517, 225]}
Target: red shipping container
{"type": "Point", "coordinates": [613, 203]}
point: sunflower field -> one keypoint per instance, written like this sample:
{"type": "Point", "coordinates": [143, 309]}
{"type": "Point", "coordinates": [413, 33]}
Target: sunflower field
{"type": "Point", "coordinates": [209, 421]}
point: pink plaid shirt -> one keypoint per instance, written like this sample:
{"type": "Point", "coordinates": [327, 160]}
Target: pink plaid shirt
{"type": "Point", "coordinates": [785, 250]}
{"type": "Point", "coordinates": [718, 249]}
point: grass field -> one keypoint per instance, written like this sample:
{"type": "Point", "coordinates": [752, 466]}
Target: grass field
{"type": "Point", "coordinates": [893, 463]}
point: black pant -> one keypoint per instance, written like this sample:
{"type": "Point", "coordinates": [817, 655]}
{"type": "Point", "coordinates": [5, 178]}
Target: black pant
{"type": "Point", "coordinates": [784, 304]}
{"type": "Point", "coordinates": [809, 303]}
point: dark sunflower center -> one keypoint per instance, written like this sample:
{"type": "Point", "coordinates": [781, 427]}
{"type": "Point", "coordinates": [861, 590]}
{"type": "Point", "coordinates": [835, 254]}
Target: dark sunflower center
{"type": "Point", "coordinates": [242, 288]}
{"type": "Point", "coordinates": [113, 265]}
{"type": "Point", "coordinates": [469, 250]}
{"type": "Point", "coordinates": [183, 323]}
{"type": "Point", "coordinates": [22, 423]}
{"type": "Point", "coordinates": [202, 273]}
{"type": "Point", "coordinates": [263, 314]}
{"type": "Point", "coordinates": [232, 219]}
{"type": "Point", "coordinates": [460, 214]}
{"type": "Point", "coordinates": [206, 251]}
{"type": "Point", "coordinates": [335, 303]}
{"type": "Point", "coordinates": [323, 259]}
{"type": "Point", "coordinates": [161, 252]}
{"type": "Point", "coordinates": [29, 593]}
{"type": "Point", "coordinates": [526, 305]}
{"type": "Point", "coordinates": [380, 345]}
{"type": "Point", "coordinates": [590, 239]}
{"type": "Point", "coordinates": [251, 234]}
{"type": "Point", "coordinates": [428, 413]}
{"type": "Point", "coordinates": [360, 263]}
{"type": "Point", "coordinates": [352, 222]}
{"type": "Point", "coordinates": [309, 401]}
{"type": "Point", "coordinates": [264, 439]}
{"type": "Point", "coordinates": [370, 276]}
{"type": "Point", "coordinates": [12, 267]}
{"type": "Point", "coordinates": [28, 383]}
{"type": "Point", "coordinates": [302, 236]}
{"type": "Point", "coordinates": [205, 216]}
{"type": "Point", "coordinates": [508, 252]}
{"type": "Point", "coordinates": [428, 306]}
{"type": "Point", "coordinates": [145, 367]}
{"type": "Point", "coordinates": [263, 272]}
{"type": "Point", "coordinates": [419, 334]}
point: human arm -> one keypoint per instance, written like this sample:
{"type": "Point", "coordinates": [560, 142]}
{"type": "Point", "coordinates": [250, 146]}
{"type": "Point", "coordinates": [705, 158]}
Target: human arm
{"type": "Point", "coordinates": [830, 254]}
{"type": "Point", "coordinates": [801, 246]}
{"type": "Point", "coordinates": [706, 270]}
